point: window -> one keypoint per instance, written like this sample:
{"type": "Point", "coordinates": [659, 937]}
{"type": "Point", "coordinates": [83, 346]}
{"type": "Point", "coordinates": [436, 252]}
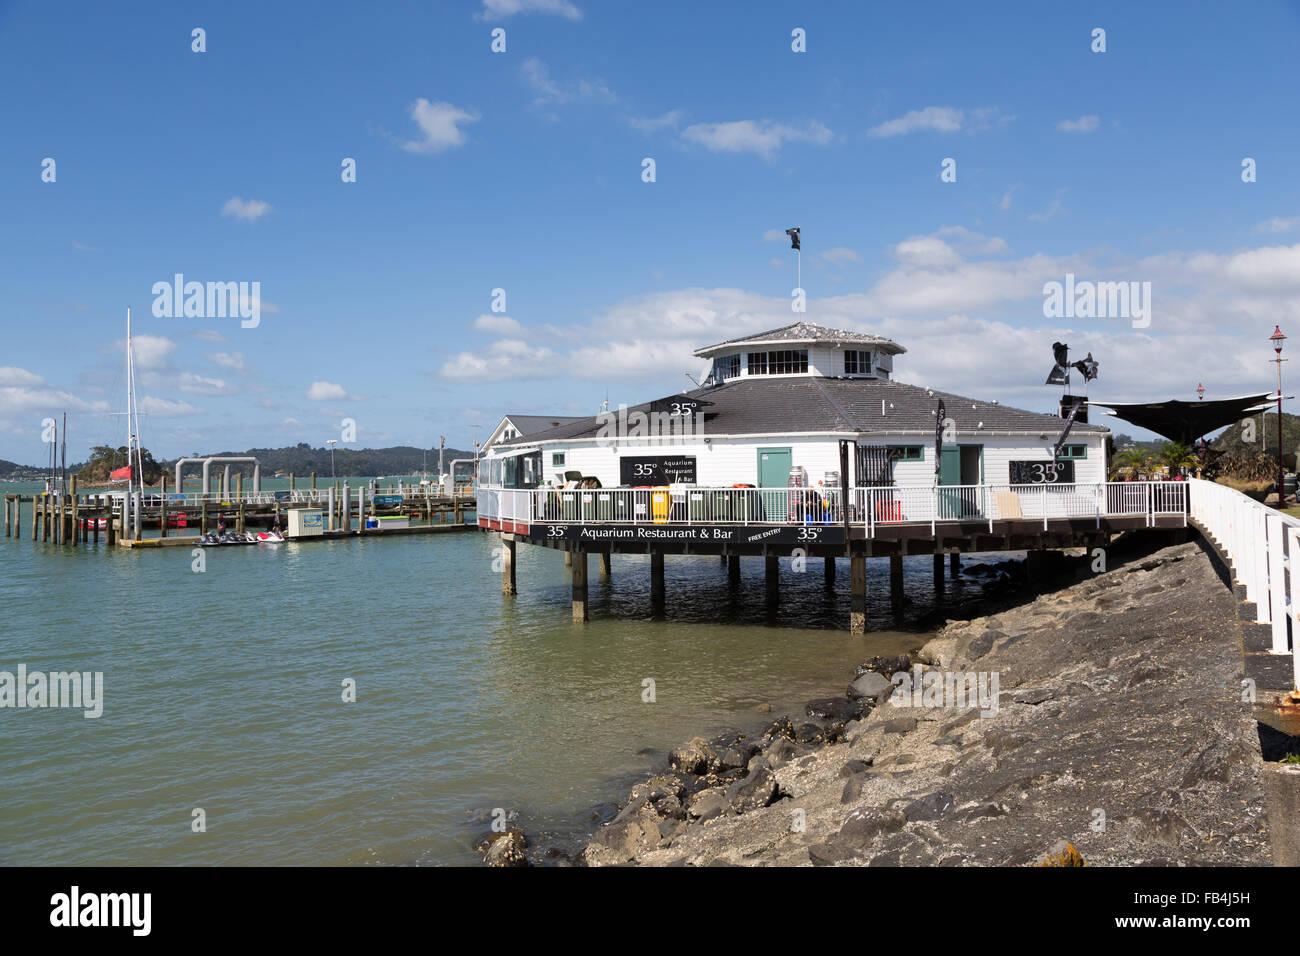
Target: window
{"type": "Point", "coordinates": [726, 367]}
{"type": "Point", "coordinates": [782, 362]}
{"type": "Point", "coordinates": [1074, 451]}
{"type": "Point", "coordinates": [557, 459]}
{"type": "Point", "coordinates": [907, 452]}
{"type": "Point", "coordinates": [857, 362]}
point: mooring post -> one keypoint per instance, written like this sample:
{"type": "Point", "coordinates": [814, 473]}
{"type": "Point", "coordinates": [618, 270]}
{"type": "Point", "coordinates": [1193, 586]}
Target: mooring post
{"type": "Point", "coordinates": [203, 517]}
{"type": "Point", "coordinates": [162, 505]}
{"type": "Point", "coordinates": [580, 587]}
{"type": "Point", "coordinates": [330, 502]}
{"type": "Point", "coordinates": [313, 484]}
{"type": "Point", "coordinates": [508, 565]}
{"type": "Point", "coordinates": [110, 529]}
{"type": "Point", "coordinates": [938, 573]}
{"type": "Point", "coordinates": [656, 577]}
{"type": "Point", "coordinates": [773, 577]}
{"type": "Point", "coordinates": [72, 489]}
{"type": "Point", "coordinates": [830, 572]}
{"type": "Point", "coordinates": [605, 569]}
{"type": "Point", "coordinates": [361, 510]}
{"type": "Point", "coordinates": [36, 511]}
{"type": "Point", "coordinates": [858, 585]}
{"type": "Point", "coordinates": [47, 509]}
{"type": "Point", "coordinates": [733, 568]}
{"type": "Point", "coordinates": [18, 516]}
{"type": "Point", "coordinates": [954, 563]}
{"type": "Point", "coordinates": [347, 508]}
{"type": "Point", "coordinates": [896, 581]}
{"type": "Point", "coordinates": [137, 515]}
{"type": "Point", "coordinates": [99, 507]}
{"type": "Point", "coordinates": [7, 507]}
{"type": "Point", "coordinates": [568, 558]}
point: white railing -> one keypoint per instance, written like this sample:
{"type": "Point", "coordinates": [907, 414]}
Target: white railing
{"type": "Point", "coordinates": [1263, 547]}
{"type": "Point", "coordinates": [870, 508]}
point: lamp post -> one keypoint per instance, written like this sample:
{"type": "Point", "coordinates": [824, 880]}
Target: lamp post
{"type": "Point", "coordinates": [1200, 392]}
{"type": "Point", "coordinates": [1277, 338]}
{"type": "Point", "coordinates": [331, 442]}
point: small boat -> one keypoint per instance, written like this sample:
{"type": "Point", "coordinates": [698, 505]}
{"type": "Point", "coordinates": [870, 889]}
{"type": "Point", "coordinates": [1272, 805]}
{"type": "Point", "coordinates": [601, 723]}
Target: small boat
{"type": "Point", "coordinates": [270, 537]}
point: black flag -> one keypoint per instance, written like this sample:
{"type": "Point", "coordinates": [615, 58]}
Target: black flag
{"type": "Point", "coordinates": [1060, 374]}
{"type": "Point", "coordinates": [1087, 367]}
{"type": "Point", "coordinates": [794, 237]}
{"type": "Point", "coordinates": [938, 438]}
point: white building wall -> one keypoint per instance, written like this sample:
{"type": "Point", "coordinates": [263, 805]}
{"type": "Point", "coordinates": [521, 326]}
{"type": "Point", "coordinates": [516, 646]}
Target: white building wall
{"type": "Point", "coordinates": [727, 461]}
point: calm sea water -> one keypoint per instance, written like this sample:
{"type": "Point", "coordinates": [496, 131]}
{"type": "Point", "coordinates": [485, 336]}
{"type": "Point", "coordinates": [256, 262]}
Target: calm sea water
{"type": "Point", "coordinates": [222, 690]}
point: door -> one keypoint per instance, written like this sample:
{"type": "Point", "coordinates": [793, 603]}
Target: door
{"type": "Point", "coordinates": [773, 472]}
{"type": "Point", "coordinates": [950, 474]}
{"type": "Point", "coordinates": [960, 465]}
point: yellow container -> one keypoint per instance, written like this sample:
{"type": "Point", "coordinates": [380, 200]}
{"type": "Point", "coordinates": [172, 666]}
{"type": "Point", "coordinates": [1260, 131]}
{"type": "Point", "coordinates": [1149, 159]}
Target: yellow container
{"type": "Point", "coordinates": [660, 503]}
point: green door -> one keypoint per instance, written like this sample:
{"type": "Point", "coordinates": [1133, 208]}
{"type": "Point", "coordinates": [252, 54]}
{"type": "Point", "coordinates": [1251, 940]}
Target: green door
{"type": "Point", "coordinates": [950, 474]}
{"type": "Point", "coordinates": [773, 472]}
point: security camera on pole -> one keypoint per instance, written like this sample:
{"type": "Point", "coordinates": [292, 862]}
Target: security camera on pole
{"type": "Point", "coordinates": [797, 305]}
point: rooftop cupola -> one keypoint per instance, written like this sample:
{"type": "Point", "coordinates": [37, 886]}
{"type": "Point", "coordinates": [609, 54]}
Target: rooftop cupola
{"type": "Point", "coordinates": [803, 349]}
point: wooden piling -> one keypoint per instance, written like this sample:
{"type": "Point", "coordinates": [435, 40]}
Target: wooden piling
{"type": "Point", "coordinates": [830, 572]}
{"type": "Point", "coordinates": [605, 564]}
{"type": "Point", "coordinates": [772, 579]}
{"type": "Point", "coordinates": [76, 531]}
{"type": "Point", "coordinates": [938, 574]}
{"type": "Point", "coordinates": [580, 587]}
{"type": "Point", "coordinates": [203, 518]}
{"type": "Point", "coordinates": [508, 565]}
{"type": "Point", "coordinates": [656, 577]}
{"type": "Point", "coordinates": [954, 563]}
{"type": "Point", "coordinates": [313, 482]}
{"type": "Point", "coordinates": [858, 604]}
{"type": "Point", "coordinates": [162, 506]}
{"type": "Point", "coordinates": [733, 568]}
{"type": "Point", "coordinates": [18, 515]}
{"type": "Point", "coordinates": [111, 528]}
{"type": "Point", "coordinates": [896, 581]}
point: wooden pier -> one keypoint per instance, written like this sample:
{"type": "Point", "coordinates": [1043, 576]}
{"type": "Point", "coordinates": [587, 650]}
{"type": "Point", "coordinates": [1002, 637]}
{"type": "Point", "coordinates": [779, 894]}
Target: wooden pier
{"type": "Point", "coordinates": [73, 518]}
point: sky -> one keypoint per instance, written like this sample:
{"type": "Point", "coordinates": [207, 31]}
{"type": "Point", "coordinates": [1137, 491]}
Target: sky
{"type": "Point", "coordinates": [524, 171]}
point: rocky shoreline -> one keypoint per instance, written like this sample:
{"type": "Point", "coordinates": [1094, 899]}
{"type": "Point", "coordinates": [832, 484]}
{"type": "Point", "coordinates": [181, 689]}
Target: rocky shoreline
{"type": "Point", "coordinates": [1101, 723]}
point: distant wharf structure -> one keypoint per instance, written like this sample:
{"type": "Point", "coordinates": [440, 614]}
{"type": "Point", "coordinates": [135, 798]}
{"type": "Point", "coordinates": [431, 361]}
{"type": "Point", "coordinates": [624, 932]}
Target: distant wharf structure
{"type": "Point", "coordinates": [800, 443]}
{"type": "Point", "coordinates": [181, 518]}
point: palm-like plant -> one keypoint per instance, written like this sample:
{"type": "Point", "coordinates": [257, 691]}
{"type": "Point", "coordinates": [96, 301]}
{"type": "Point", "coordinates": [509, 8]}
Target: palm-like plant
{"type": "Point", "coordinates": [1175, 455]}
{"type": "Point", "coordinates": [1131, 459]}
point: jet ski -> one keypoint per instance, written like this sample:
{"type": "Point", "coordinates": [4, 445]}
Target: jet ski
{"type": "Point", "coordinates": [270, 537]}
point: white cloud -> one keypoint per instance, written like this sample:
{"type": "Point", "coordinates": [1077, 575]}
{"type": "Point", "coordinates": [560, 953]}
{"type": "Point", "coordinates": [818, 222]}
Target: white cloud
{"type": "Point", "coordinates": [233, 360]}
{"type": "Point", "coordinates": [1053, 208]}
{"type": "Point", "coordinates": [503, 9]}
{"type": "Point", "coordinates": [1277, 224]}
{"type": "Point", "coordinates": [208, 335]}
{"type": "Point", "coordinates": [498, 324]}
{"type": "Point", "coordinates": [151, 351]}
{"type": "Point", "coordinates": [537, 75]}
{"type": "Point", "coordinates": [840, 254]}
{"type": "Point", "coordinates": [1084, 124]}
{"type": "Point", "coordinates": [763, 137]}
{"type": "Point", "coordinates": [23, 398]}
{"type": "Point", "coordinates": [12, 375]}
{"type": "Point", "coordinates": [163, 408]}
{"type": "Point", "coordinates": [249, 210]}
{"type": "Point", "coordinates": [941, 119]}
{"type": "Point", "coordinates": [440, 125]}
{"type": "Point", "coordinates": [326, 392]}
{"type": "Point", "coordinates": [189, 382]}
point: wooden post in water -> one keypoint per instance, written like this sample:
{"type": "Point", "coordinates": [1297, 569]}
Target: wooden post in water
{"type": "Point", "coordinates": [162, 504]}
{"type": "Point", "coordinates": [508, 565]}
{"type": "Point", "coordinates": [896, 581]}
{"type": "Point", "coordinates": [580, 587]}
{"type": "Point", "coordinates": [239, 493]}
{"type": "Point", "coordinates": [18, 515]}
{"type": "Point", "coordinates": [36, 513]}
{"type": "Point", "coordinates": [99, 507]}
{"type": "Point", "coordinates": [7, 507]}
{"type": "Point", "coordinates": [605, 564]}
{"type": "Point", "coordinates": [76, 531]}
{"type": "Point", "coordinates": [313, 484]}
{"type": "Point", "coordinates": [110, 527]}
{"type": "Point", "coordinates": [938, 574]}
{"type": "Point", "coordinates": [954, 563]}
{"type": "Point", "coordinates": [772, 579]}
{"type": "Point", "coordinates": [656, 578]}
{"type": "Point", "coordinates": [858, 604]}
{"type": "Point", "coordinates": [47, 511]}
{"type": "Point", "coordinates": [292, 486]}
{"type": "Point", "coordinates": [733, 568]}
{"type": "Point", "coordinates": [830, 572]}
{"type": "Point", "coordinates": [203, 517]}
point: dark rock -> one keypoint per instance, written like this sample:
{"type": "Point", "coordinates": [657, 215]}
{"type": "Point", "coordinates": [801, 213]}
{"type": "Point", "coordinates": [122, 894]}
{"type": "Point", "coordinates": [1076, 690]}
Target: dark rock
{"type": "Point", "coordinates": [753, 792]}
{"type": "Point", "coordinates": [933, 806]}
{"type": "Point", "coordinates": [1033, 696]}
{"type": "Point", "coordinates": [885, 666]}
{"type": "Point", "coordinates": [505, 849]}
{"type": "Point", "coordinates": [863, 825]}
{"type": "Point", "coordinates": [870, 685]}
{"type": "Point", "coordinates": [808, 733]}
{"type": "Point", "coordinates": [695, 756]}
{"type": "Point", "coordinates": [854, 766]}
{"type": "Point", "coordinates": [623, 842]}
{"type": "Point", "coordinates": [834, 708]}
{"type": "Point", "coordinates": [707, 804]}
{"type": "Point", "coordinates": [985, 811]}
{"type": "Point", "coordinates": [853, 787]}
{"type": "Point", "coordinates": [952, 740]}
{"type": "Point", "coordinates": [780, 751]}
{"type": "Point", "coordinates": [780, 728]}
{"type": "Point", "coordinates": [829, 854]}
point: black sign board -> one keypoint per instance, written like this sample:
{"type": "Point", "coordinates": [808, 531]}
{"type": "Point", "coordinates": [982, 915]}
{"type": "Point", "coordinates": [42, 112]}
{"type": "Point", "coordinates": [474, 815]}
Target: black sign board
{"type": "Point", "coordinates": [657, 470]}
{"type": "Point", "coordinates": [793, 535]}
{"type": "Point", "coordinates": [1042, 472]}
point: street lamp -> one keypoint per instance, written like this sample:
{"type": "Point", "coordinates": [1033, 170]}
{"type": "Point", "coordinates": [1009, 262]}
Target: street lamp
{"type": "Point", "coordinates": [1200, 392]}
{"type": "Point", "coordinates": [331, 442]}
{"type": "Point", "coordinates": [1277, 338]}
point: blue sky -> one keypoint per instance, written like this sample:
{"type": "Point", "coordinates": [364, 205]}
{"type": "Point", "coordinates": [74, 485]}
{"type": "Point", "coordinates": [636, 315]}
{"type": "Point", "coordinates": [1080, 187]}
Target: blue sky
{"type": "Point", "coordinates": [522, 170]}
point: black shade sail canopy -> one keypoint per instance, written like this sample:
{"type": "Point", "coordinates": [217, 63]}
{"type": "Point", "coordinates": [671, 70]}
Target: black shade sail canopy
{"type": "Point", "coordinates": [1185, 422]}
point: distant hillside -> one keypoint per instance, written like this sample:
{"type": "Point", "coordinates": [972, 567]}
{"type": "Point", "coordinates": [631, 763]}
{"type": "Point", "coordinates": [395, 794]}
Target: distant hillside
{"type": "Point", "coordinates": [13, 470]}
{"type": "Point", "coordinates": [302, 459]}
{"type": "Point", "coordinates": [1265, 436]}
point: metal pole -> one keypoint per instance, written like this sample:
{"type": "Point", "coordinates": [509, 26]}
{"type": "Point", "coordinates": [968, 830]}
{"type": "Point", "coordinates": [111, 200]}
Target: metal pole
{"type": "Point", "coordinates": [1281, 468]}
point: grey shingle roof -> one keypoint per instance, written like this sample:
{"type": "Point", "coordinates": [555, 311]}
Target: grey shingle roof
{"type": "Point", "coordinates": [783, 406]}
{"type": "Point", "coordinates": [527, 424]}
{"type": "Point", "coordinates": [800, 332]}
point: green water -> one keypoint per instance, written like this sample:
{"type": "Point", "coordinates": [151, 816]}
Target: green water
{"type": "Point", "coordinates": [222, 690]}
